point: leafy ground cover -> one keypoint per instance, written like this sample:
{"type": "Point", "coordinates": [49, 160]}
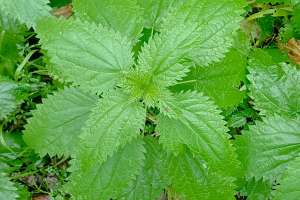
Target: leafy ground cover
{"type": "Point", "coordinates": [136, 99]}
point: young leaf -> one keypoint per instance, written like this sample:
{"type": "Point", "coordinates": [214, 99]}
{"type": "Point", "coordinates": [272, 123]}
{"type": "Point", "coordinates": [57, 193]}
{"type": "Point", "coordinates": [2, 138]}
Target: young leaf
{"type": "Point", "coordinates": [107, 180]}
{"type": "Point", "coordinates": [150, 182]}
{"type": "Point", "coordinates": [114, 122]}
{"type": "Point", "coordinates": [268, 147]}
{"type": "Point", "coordinates": [9, 96]}
{"type": "Point", "coordinates": [289, 183]}
{"type": "Point", "coordinates": [219, 81]}
{"type": "Point", "coordinates": [124, 16]}
{"type": "Point", "coordinates": [28, 12]}
{"type": "Point", "coordinates": [57, 123]}
{"type": "Point", "coordinates": [188, 175]}
{"type": "Point", "coordinates": [217, 20]}
{"type": "Point", "coordinates": [257, 190]}
{"type": "Point", "coordinates": [83, 53]}
{"type": "Point", "coordinates": [274, 87]}
{"type": "Point", "coordinates": [197, 123]}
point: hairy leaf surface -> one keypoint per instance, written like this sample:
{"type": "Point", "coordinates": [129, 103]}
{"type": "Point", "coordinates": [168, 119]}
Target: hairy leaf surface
{"type": "Point", "coordinates": [107, 180]}
{"type": "Point", "coordinates": [124, 16]}
{"type": "Point", "coordinates": [274, 87]}
{"type": "Point", "coordinates": [150, 182]}
{"type": "Point", "coordinates": [84, 53]}
{"type": "Point", "coordinates": [268, 147]}
{"type": "Point", "coordinates": [198, 124]}
{"type": "Point", "coordinates": [289, 183]}
{"type": "Point", "coordinates": [219, 81]}
{"type": "Point", "coordinates": [28, 12]}
{"type": "Point", "coordinates": [114, 122]}
{"type": "Point", "coordinates": [57, 123]}
{"type": "Point", "coordinates": [188, 175]}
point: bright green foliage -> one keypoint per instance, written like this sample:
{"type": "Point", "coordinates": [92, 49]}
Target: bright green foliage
{"type": "Point", "coordinates": [124, 16]}
{"type": "Point", "coordinates": [219, 81]}
{"type": "Point", "coordinates": [237, 120]}
{"type": "Point", "coordinates": [85, 54]}
{"type": "Point", "coordinates": [286, 2]}
{"type": "Point", "coordinates": [268, 147]}
{"type": "Point", "coordinates": [107, 180]}
{"type": "Point", "coordinates": [10, 96]}
{"type": "Point", "coordinates": [58, 131]}
{"type": "Point", "coordinates": [274, 87]}
{"type": "Point", "coordinates": [257, 190]}
{"type": "Point", "coordinates": [155, 11]}
{"type": "Point", "coordinates": [116, 111]}
{"type": "Point", "coordinates": [289, 183]}
{"type": "Point", "coordinates": [188, 175]}
{"type": "Point", "coordinates": [216, 20]}
{"type": "Point", "coordinates": [27, 12]}
{"type": "Point", "coordinates": [296, 18]}
{"type": "Point", "coordinates": [7, 189]}
{"type": "Point", "coordinates": [198, 125]}
{"type": "Point", "coordinates": [150, 181]}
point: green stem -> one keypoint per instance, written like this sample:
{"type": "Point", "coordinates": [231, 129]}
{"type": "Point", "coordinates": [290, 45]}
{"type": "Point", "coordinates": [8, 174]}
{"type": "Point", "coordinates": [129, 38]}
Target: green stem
{"type": "Point", "coordinates": [3, 141]}
{"type": "Point", "coordinates": [21, 66]}
{"type": "Point", "coordinates": [183, 82]}
{"type": "Point", "coordinates": [63, 160]}
{"type": "Point", "coordinates": [145, 122]}
{"type": "Point", "coordinates": [25, 174]}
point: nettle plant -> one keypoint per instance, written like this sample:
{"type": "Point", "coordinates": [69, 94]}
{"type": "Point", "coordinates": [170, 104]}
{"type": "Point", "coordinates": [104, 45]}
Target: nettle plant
{"type": "Point", "coordinates": [191, 67]}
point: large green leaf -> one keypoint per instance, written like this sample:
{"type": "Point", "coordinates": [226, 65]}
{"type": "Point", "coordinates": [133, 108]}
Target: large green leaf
{"type": "Point", "coordinates": [28, 12]}
{"type": "Point", "coordinates": [114, 122]}
{"type": "Point", "coordinates": [57, 122]}
{"type": "Point", "coordinates": [274, 87]}
{"type": "Point", "coordinates": [124, 16]}
{"type": "Point", "coordinates": [107, 180]}
{"type": "Point", "coordinates": [7, 189]}
{"type": "Point", "coordinates": [196, 122]}
{"type": "Point", "coordinates": [289, 184]}
{"type": "Point", "coordinates": [268, 147]}
{"type": "Point", "coordinates": [217, 20]}
{"type": "Point", "coordinates": [219, 81]}
{"type": "Point", "coordinates": [188, 175]}
{"type": "Point", "coordinates": [150, 182]}
{"type": "Point", "coordinates": [83, 53]}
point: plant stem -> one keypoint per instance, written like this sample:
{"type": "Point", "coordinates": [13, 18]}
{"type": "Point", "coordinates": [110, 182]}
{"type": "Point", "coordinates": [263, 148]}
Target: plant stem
{"type": "Point", "coordinates": [21, 66]}
{"type": "Point", "coordinates": [185, 82]}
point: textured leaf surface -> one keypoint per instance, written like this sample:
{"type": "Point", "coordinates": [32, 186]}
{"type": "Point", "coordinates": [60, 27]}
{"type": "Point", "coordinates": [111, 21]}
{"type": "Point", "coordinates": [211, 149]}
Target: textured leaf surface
{"type": "Point", "coordinates": [84, 53]}
{"type": "Point", "coordinates": [7, 189]}
{"type": "Point", "coordinates": [9, 96]}
{"type": "Point", "coordinates": [107, 180]}
{"type": "Point", "coordinates": [257, 190]}
{"type": "Point", "coordinates": [198, 125]}
{"type": "Point", "coordinates": [296, 18]}
{"type": "Point", "coordinates": [286, 2]}
{"type": "Point", "coordinates": [188, 176]}
{"type": "Point", "coordinates": [274, 87]}
{"type": "Point", "coordinates": [115, 121]}
{"type": "Point", "coordinates": [217, 21]}
{"type": "Point", "coordinates": [57, 122]}
{"type": "Point", "coordinates": [219, 81]}
{"type": "Point", "coordinates": [268, 147]}
{"type": "Point", "coordinates": [289, 183]}
{"type": "Point", "coordinates": [27, 12]}
{"type": "Point", "coordinates": [124, 16]}
{"type": "Point", "coordinates": [150, 182]}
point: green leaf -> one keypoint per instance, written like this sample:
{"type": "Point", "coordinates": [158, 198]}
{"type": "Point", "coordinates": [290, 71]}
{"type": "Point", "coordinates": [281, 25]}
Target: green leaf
{"type": "Point", "coordinates": [155, 11]}
{"type": "Point", "coordinates": [83, 53]}
{"type": "Point", "coordinates": [274, 87]}
{"type": "Point", "coordinates": [28, 12]}
{"type": "Point", "coordinates": [197, 123]}
{"type": "Point", "coordinates": [295, 20]}
{"type": "Point", "coordinates": [10, 96]}
{"type": "Point", "coordinates": [286, 2]}
{"type": "Point", "coordinates": [107, 180]}
{"type": "Point", "coordinates": [188, 175]}
{"type": "Point", "coordinates": [219, 81]}
{"type": "Point", "coordinates": [57, 122]}
{"type": "Point", "coordinates": [114, 122]}
{"type": "Point", "coordinates": [7, 189]}
{"type": "Point", "coordinates": [150, 182]}
{"type": "Point", "coordinates": [237, 120]}
{"type": "Point", "coordinates": [289, 183]}
{"type": "Point", "coordinates": [59, 3]}
{"type": "Point", "coordinates": [124, 16]}
{"type": "Point", "coordinates": [257, 190]}
{"type": "Point", "coordinates": [268, 147]}
{"type": "Point", "coordinates": [217, 20]}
